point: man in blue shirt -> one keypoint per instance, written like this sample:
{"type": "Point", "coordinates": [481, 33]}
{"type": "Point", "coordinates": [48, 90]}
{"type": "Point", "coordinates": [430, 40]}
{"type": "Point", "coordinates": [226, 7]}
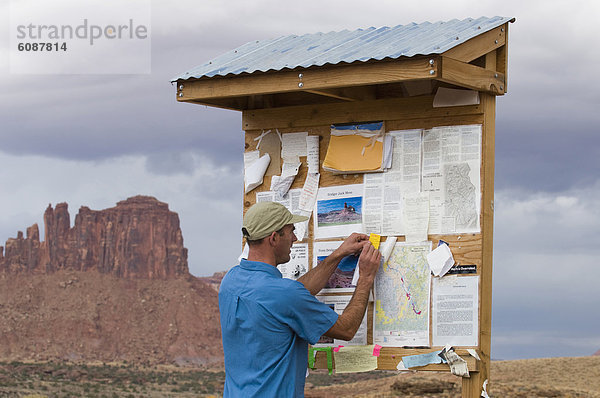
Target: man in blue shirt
{"type": "Point", "coordinates": [267, 321]}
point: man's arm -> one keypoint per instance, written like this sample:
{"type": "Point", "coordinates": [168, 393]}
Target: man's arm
{"type": "Point", "coordinates": [315, 279]}
{"type": "Point", "coordinates": [348, 323]}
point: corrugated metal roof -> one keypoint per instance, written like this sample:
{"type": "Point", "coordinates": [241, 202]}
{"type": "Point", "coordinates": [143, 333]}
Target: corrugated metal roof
{"type": "Point", "coordinates": [317, 49]}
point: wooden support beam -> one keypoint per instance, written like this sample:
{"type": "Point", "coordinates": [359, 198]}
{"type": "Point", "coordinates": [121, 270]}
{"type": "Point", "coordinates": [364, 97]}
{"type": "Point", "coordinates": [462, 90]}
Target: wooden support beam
{"type": "Point", "coordinates": [331, 94]}
{"type": "Point", "coordinates": [471, 76]}
{"type": "Point", "coordinates": [346, 112]}
{"type": "Point", "coordinates": [321, 78]}
{"type": "Point", "coordinates": [389, 358]}
{"type": "Point", "coordinates": [502, 60]}
{"type": "Point", "coordinates": [479, 45]}
{"type": "Point", "coordinates": [471, 387]}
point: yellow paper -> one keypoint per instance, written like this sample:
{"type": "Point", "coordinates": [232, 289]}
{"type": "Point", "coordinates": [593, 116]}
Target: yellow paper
{"type": "Point", "coordinates": [375, 239]}
{"type": "Point", "coordinates": [357, 358]}
{"type": "Point", "coordinates": [345, 153]}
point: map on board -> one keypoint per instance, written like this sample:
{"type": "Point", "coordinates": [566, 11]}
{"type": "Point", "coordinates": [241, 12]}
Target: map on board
{"type": "Point", "coordinates": [461, 197]}
{"type": "Point", "coordinates": [402, 297]}
{"type": "Point", "coordinates": [451, 174]}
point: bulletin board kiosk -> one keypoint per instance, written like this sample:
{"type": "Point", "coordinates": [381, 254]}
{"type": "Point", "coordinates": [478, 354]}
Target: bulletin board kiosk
{"type": "Point", "coordinates": [421, 97]}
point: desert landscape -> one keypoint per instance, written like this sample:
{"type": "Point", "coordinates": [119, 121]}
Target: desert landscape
{"type": "Point", "coordinates": [107, 309]}
{"type": "Point", "coordinates": [531, 378]}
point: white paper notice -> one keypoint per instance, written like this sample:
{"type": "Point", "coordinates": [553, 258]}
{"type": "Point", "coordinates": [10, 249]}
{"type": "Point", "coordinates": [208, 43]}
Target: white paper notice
{"type": "Point", "coordinates": [338, 304]}
{"type": "Point", "coordinates": [416, 216]}
{"type": "Point", "coordinates": [451, 175]}
{"type": "Point", "coordinates": [298, 264]}
{"type": "Point", "coordinates": [293, 145]}
{"type": "Point", "coordinates": [312, 153]}
{"type": "Point", "coordinates": [440, 260]}
{"type": "Point", "coordinates": [338, 212]}
{"type": "Point", "coordinates": [253, 176]}
{"type": "Point", "coordinates": [383, 191]}
{"type": "Point", "coordinates": [455, 310]}
{"type": "Point", "coordinates": [309, 192]}
{"type": "Point", "coordinates": [281, 184]}
{"type": "Point", "coordinates": [250, 157]}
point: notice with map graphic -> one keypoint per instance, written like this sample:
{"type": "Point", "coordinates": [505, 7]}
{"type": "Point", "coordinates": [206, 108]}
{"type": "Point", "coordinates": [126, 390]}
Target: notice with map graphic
{"type": "Point", "coordinates": [338, 211]}
{"type": "Point", "coordinates": [451, 175]}
{"type": "Point", "coordinates": [401, 289]}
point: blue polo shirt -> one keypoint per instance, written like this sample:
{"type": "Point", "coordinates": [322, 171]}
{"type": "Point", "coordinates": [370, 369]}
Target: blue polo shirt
{"type": "Point", "coordinates": [266, 323]}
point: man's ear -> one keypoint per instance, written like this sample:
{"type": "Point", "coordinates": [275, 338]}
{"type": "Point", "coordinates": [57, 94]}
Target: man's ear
{"type": "Point", "coordinates": [273, 238]}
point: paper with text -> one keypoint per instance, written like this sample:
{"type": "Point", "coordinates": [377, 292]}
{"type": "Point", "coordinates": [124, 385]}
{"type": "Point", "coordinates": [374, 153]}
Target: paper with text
{"type": "Point", "coordinates": [455, 310]}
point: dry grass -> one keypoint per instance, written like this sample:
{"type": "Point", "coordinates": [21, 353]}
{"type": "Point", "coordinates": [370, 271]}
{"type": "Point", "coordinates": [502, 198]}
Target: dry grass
{"type": "Point", "coordinates": [532, 378]}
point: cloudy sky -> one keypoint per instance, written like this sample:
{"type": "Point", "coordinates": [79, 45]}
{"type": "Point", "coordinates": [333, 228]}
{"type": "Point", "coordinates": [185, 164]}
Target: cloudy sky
{"type": "Point", "coordinates": [94, 140]}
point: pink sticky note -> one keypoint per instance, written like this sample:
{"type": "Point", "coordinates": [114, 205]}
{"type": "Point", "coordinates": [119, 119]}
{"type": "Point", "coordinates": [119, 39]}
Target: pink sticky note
{"type": "Point", "coordinates": [376, 350]}
{"type": "Point", "coordinates": [337, 349]}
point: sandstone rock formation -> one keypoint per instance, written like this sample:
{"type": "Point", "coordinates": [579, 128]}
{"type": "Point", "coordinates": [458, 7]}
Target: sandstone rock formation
{"type": "Point", "coordinates": [138, 238]}
{"type": "Point", "coordinates": [114, 287]}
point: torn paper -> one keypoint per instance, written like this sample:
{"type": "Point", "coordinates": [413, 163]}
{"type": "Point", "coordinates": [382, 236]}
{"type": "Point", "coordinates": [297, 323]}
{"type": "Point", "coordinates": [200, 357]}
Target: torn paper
{"type": "Point", "coordinates": [308, 197]}
{"type": "Point", "coordinates": [401, 366]}
{"type": "Point", "coordinates": [411, 361]}
{"type": "Point", "coordinates": [484, 393]}
{"type": "Point", "coordinates": [293, 145]}
{"type": "Point", "coordinates": [312, 153]}
{"type": "Point", "coordinates": [250, 157]}
{"type": "Point", "coordinates": [473, 353]}
{"type": "Point", "coordinates": [281, 184]}
{"type": "Point", "coordinates": [440, 260]}
{"type": "Point", "coordinates": [458, 366]}
{"type": "Point", "coordinates": [253, 176]}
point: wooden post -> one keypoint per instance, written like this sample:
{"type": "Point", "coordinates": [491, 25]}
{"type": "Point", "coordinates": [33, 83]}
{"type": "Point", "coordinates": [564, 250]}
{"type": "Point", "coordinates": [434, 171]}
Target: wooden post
{"type": "Point", "coordinates": [471, 387]}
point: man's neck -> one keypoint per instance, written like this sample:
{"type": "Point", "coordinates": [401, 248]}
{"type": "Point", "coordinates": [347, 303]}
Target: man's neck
{"type": "Point", "coordinates": [263, 256]}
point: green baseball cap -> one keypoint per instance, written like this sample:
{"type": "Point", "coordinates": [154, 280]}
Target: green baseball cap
{"type": "Point", "coordinates": [264, 218]}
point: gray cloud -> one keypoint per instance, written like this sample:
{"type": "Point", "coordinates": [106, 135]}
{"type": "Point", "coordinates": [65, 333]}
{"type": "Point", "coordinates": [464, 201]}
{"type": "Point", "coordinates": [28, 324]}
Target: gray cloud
{"type": "Point", "coordinates": [95, 140]}
{"type": "Point", "coordinates": [546, 273]}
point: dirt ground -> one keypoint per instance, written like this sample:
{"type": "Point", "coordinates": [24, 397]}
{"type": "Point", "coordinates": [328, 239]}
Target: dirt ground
{"type": "Point", "coordinates": [533, 378]}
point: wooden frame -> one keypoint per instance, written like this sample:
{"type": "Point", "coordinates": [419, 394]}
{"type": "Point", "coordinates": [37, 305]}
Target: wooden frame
{"type": "Point", "coordinates": [312, 99]}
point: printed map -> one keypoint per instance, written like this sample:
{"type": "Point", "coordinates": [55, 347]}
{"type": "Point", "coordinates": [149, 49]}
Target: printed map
{"type": "Point", "coordinates": [402, 297]}
{"type": "Point", "coordinates": [461, 198]}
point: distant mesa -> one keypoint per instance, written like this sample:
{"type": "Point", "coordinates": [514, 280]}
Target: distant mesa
{"type": "Point", "coordinates": [138, 238]}
{"type": "Point", "coordinates": [597, 353]}
{"type": "Point", "coordinates": [346, 215]}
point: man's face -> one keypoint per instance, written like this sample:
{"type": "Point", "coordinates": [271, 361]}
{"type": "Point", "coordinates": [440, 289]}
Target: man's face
{"type": "Point", "coordinates": [284, 244]}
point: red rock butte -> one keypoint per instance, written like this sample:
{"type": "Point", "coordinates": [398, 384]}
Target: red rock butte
{"type": "Point", "coordinates": [138, 238]}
